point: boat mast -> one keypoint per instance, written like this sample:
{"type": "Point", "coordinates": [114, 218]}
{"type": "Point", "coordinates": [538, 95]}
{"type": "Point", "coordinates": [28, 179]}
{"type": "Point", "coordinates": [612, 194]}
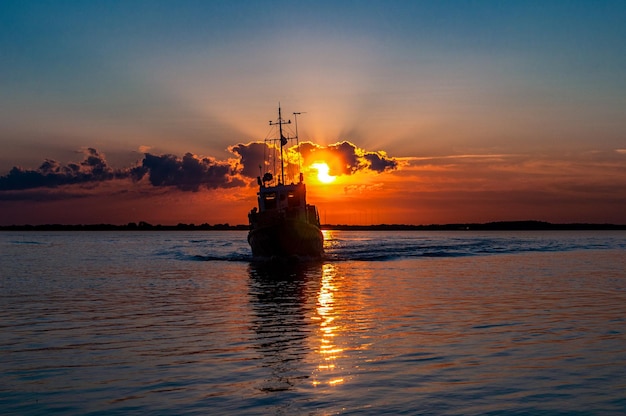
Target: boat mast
{"type": "Point", "coordinates": [283, 142]}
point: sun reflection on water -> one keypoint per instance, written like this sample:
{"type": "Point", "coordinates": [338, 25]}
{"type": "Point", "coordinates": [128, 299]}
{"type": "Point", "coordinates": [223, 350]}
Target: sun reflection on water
{"type": "Point", "coordinates": [328, 350]}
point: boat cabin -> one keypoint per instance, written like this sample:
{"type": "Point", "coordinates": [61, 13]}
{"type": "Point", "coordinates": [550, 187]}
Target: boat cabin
{"type": "Point", "coordinates": [283, 201]}
{"type": "Point", "coordinates": [282, 197]}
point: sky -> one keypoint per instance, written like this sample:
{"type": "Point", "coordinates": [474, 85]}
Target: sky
{"type": "Point", "coordinates": [426, 112]}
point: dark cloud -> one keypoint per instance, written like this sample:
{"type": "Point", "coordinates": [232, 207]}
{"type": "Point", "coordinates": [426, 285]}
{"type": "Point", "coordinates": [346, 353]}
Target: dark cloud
{"type": "Point", "coordinates": [346, 158]}
{"type": "Point", "coordinates": [251, 156]}
{"type": "Point", "coordinates": [257, 158]}
{"type": "Point", "coordinates": [349, 155]}
{"type": "Point", "coordinates": [51, 173]}
{"type": "Point", "coordinates": [189, 173]}
{"type": "Point", "coordinates": [380, 162]}
{"type": "Point", "coordinates": [343, 158]}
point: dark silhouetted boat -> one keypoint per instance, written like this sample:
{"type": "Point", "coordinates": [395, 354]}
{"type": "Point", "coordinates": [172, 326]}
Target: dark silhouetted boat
{"type": "Point", "coordinates": [283, 225]}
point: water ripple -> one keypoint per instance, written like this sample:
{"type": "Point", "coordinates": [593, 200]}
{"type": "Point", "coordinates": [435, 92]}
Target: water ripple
{"type": "Point", "coordinates": [132, 323]}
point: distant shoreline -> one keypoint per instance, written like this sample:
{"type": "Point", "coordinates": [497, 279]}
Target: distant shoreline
{"type": "Point", "coordinates": [490, 226]}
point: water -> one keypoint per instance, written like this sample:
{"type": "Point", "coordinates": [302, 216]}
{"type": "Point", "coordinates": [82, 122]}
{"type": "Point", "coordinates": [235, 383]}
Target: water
{"type": "Point", "coordinates": [389, 323]}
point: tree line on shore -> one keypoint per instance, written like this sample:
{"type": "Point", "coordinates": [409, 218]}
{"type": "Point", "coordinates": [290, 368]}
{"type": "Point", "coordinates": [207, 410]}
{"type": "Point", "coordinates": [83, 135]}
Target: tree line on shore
{"type": "Point", "coordinates": [490, 226]}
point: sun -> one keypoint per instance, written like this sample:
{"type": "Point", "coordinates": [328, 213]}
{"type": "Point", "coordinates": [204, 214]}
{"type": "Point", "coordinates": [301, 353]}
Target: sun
{"type": "Point", "coordinates": [322, 172]}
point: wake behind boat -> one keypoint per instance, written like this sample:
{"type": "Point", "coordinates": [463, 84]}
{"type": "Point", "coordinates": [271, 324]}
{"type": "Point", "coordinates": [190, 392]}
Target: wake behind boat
{"type": "Point", "coordinates": [283, 224]}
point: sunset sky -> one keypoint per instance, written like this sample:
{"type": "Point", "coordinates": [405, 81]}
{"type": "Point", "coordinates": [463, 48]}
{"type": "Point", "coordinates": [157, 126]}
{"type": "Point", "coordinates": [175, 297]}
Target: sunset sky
{"type": "Point", "coordinates": [425, 111]}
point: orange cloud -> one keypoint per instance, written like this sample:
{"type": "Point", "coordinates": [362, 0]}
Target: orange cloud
{"type": "Point", "coordinates": [576, 187]}
{"type": "Point", "coordinates": [345, 158]}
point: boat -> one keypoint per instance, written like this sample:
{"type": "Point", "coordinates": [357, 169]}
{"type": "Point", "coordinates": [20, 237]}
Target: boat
{"type": "Point", "coordinates": [283, 224]}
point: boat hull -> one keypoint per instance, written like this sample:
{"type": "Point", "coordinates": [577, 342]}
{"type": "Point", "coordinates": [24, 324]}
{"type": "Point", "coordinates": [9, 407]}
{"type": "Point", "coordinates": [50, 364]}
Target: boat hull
{"type": "Point", "coordinates": [287, 238]}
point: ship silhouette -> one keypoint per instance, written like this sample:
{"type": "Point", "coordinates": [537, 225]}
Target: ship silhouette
{"type": "Point", "coordinates": [283, 224]}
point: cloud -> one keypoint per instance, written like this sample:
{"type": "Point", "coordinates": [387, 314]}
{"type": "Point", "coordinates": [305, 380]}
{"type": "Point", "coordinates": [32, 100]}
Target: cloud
{"type": "Point", "coordinates": [52, 174]}
{"type": "Point", "coordinates": [360, 189]}
{"type": "Point", "coordinates": [191, 172]}
{"type": "Point", "coordinates": [379, 162]}
{"type": "Point", "coordinates": [345, 158]}
{"type": "Point", "coordinates": [251, 157]}
{"type": "Point", "coordinates": [188, 173]}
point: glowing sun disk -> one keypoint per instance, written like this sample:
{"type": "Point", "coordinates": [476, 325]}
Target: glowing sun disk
{"type": "Point", "coordinates": [322, 172]}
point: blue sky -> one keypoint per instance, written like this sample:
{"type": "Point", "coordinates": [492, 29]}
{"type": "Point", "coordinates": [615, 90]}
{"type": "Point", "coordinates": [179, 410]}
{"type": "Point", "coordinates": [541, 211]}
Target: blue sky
{"type": "Point", "coordinates": [414, 79]}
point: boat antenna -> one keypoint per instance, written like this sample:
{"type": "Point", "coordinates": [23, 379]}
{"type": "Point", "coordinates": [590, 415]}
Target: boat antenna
{"type": "Point", "coordinates": [283, 141]}
{"type": "Point", "coordinates": [295, 116]}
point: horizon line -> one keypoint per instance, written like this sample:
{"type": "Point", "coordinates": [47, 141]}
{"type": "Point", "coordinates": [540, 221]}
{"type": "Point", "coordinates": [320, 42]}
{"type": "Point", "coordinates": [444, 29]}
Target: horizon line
{"type": "Point", "coordinates": [516, 225]}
